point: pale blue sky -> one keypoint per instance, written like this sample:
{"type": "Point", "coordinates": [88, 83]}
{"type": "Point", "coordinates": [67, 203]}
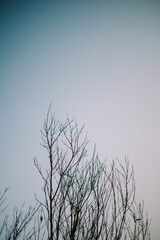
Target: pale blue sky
{"type": "Point", "coordinates": [95, 60]}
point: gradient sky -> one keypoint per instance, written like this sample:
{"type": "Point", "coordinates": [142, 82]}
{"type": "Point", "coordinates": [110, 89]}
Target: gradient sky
{"type": "Point", "coordinates": [98, 61]}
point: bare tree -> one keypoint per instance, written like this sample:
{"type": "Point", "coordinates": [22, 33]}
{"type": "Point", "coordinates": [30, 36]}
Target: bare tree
{"type": "Point", "coordinates": [63, 163]}
{"type": "Point", "coordinates": [140, 223]}
{"type": "Point", "coordinates": [83, 199]}
{"type": "Point", "coordinates": [21, 224]}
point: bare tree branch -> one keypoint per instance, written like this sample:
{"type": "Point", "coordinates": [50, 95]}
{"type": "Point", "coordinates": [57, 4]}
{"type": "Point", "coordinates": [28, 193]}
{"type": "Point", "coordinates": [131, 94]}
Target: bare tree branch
{"type": "Point", "coordinates": [82, 198]}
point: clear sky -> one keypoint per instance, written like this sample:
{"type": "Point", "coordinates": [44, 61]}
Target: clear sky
{"type": "Point", "coordinates": [98, 61]}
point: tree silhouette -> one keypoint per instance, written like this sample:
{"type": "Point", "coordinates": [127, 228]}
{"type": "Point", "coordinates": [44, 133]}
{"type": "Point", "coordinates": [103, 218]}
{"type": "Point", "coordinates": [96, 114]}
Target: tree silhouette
{"type": "Point", "coordinates": [21, 224]}
{"type": "Point", "coordinates": [83, 199]}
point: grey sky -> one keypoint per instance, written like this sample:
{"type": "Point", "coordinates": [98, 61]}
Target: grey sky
{"type": "Point", "coordinates": [95, 60]}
